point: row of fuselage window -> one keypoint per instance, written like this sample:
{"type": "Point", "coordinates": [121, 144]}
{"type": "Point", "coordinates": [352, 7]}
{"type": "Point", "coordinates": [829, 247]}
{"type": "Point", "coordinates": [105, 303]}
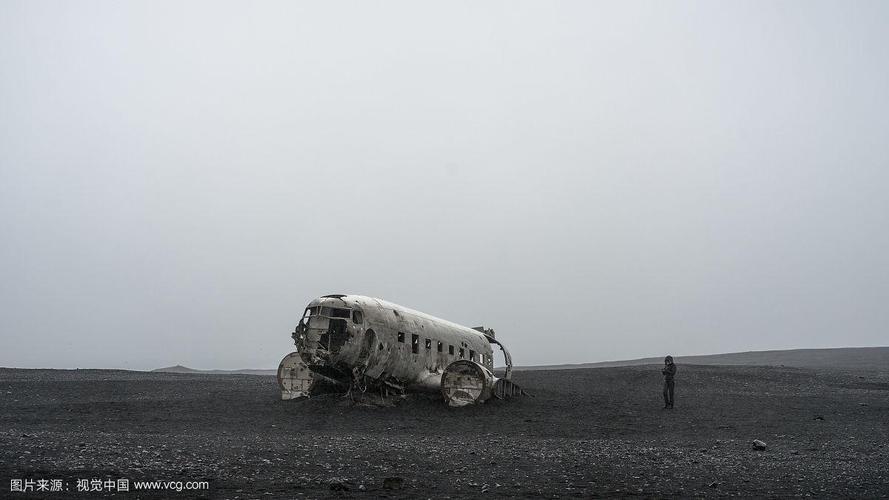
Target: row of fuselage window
{"type": "Point", "coordinates": [358, 318]}
{"type": "Point", "coordinates": [415, 348]}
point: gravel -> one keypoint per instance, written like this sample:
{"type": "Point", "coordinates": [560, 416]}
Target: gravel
{"type": "Point", "coordinates": [586, 432]}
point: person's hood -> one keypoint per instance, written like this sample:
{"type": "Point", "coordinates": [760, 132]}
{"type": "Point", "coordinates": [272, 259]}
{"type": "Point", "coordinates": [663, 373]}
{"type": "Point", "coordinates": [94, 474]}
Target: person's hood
{"type": "Point", "coordinates": [668, 360]}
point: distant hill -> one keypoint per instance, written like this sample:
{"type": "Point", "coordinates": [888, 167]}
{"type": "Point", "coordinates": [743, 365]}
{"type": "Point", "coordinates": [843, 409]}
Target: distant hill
{"type": "Point", "coordinates": [185, 369]}
{"type": "Point", "coordinates": [842, 357]}
{"type": "Point", "coordinates": [176, 369]}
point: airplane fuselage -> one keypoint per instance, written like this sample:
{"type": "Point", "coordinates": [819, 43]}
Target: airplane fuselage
{"type": "Point", "coordinates": [360, 340]}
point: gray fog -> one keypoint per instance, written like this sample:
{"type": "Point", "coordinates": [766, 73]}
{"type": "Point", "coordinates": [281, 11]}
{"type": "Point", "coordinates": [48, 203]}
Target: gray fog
{"type": "Point", "coordinates": [594, 180]}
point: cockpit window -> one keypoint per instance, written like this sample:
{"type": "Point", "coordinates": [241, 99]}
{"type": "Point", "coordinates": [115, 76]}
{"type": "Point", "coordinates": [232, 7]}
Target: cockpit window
{"type": "Point", "coordinates": [357, 317]}
{"type": "Point", "coordinates": [340, 313]}
{"type": "Point", "coordinates": [330, 312]}
{"type": "Point", "coordinates": [334, 312]}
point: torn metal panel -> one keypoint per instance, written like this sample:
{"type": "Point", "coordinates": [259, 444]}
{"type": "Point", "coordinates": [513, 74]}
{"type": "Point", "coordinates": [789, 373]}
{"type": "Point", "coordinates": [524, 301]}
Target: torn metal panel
{"type": "Point", "coordinates": [362, 341]}
{"type": "Point", "coordinates": [506, 355]}
{"type": "Point", "coordinates": [294, 377]}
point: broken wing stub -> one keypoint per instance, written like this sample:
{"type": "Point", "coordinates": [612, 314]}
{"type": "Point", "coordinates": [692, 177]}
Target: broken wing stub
{"type": "Point", "coordinates": [465, 382]}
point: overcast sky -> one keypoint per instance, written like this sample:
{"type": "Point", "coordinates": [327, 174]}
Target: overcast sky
{"type": "Point", "coordinates": [595, 181]}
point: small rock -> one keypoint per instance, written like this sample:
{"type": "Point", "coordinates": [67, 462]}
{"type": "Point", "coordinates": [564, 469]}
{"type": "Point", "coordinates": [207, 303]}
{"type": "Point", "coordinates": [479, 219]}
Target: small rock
{"type": "Point", "coordinates": [393, 483]}
{"type": "Point", "coordinates": [758, 445]}
{"type": "Point", "coordinates": [819, 417]}
{"type": "Point", "coordinates": [338, 486]}
{"type": "Point", "coordinates": [714, 484]}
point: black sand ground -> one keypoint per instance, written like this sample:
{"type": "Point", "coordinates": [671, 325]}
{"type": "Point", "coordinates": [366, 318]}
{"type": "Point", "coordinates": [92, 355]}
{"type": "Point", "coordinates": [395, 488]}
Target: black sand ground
{"type": "Point", "coordinates": [585, 433]}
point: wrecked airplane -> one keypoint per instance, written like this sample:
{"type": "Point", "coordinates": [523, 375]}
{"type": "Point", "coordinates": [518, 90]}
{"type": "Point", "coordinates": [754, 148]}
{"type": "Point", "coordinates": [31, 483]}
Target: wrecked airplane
{"type": "Point", "coordinates": [362, 342]}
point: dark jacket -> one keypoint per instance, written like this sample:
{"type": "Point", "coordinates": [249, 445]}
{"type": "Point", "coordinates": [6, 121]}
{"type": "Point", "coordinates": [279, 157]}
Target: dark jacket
{"type": "Point", "coordinates": [669, 371]}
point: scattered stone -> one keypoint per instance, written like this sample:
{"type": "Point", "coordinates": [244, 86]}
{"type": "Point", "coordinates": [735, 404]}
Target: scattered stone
{"type": "Point", "coordinates": [819, 417]}
{"type": "Point", "coordinates": [338, 486]}
{"type": "Point", "coordinates": [393, 483]}
{"type": "Point", "coordinates": [758, 445]}
{"type": "Point", "coordinates": [714, 484]}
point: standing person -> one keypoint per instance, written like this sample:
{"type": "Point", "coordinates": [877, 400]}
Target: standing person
{"type": "Point", "coordinates": [669, 371]}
